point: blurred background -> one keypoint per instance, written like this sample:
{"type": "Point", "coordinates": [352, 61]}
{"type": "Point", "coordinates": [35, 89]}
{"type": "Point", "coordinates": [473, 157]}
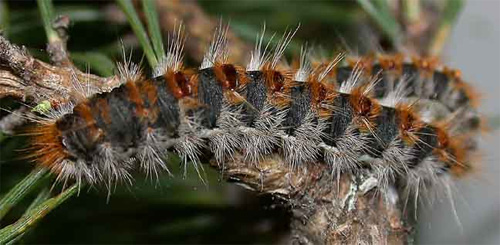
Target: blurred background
{"type": "Point", "coordinates": [183, 209]}
{"type": "Point", "coordinates": [473, 47]}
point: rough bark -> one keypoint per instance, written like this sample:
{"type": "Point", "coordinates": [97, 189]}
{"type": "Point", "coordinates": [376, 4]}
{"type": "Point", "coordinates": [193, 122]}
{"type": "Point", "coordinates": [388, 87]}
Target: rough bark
{"type": "Point", "coordinates": [23, 76]}
{"type": "Point", "coordinates": [325, 209]}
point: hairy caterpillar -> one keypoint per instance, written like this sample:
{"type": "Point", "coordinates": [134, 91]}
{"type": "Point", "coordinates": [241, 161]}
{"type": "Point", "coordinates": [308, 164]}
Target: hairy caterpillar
{"type": "Point", "coordinates": [406, 119]}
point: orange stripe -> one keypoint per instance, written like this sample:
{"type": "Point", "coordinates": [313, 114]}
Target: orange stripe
{"type": "Point", "coordinates": [149, 90]}
{"type": "Point", "coordinates": [103, 106]}
{"type": "Point", "coordinates": [364, 107]}
{"type": "Point", "coordinates": [408, 123]}
{"type": "Point", "coordinates": [135, 97]}
{"type": "Point", "coordinates": [48, 149]}
{"type": "Point", "coordinates": [172, 85]}
{"type": "Point", "coordinates": [220, 75]}
{"type": "Point", "coordinates": [83, 109]}
{"type": "Point", "coordinates": [85, 112]}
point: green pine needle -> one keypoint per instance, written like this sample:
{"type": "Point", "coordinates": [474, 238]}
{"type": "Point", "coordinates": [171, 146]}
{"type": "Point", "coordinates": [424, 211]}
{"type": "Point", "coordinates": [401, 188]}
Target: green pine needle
{"type": "Point", "coordinates": [132, 17]}
{"type": "Point", "coordinates": [42, 197]}
{"type": "Point", "coordinates": [35, 214]}
{"type": "Point", "coordinates": [151, 14]}
{"type": "Point", "coordinates": [4, 18]}
{"type": "Point", "coordinates": [23, 188]}
{"type": "Point", "coordinates": [380, 12]}
{"type": "Point", "coordinates": [47, 12]}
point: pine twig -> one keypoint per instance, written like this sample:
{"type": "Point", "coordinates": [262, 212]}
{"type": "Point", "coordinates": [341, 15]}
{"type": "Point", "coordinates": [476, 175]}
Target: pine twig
{"type": "Point", "coordinates": [22, 76]}
{"type": "Point", "coordinates": [12, 231]}
{"type": "Point", "coordinates": [23, 188]}
{"type": "Point", "coordinates": [42, 196]}
{"type": "Point", "coordinates": [149, 8]}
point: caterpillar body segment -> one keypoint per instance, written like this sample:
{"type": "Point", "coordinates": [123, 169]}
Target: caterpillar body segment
{"type": "Point", "coordinates": [378, 114]}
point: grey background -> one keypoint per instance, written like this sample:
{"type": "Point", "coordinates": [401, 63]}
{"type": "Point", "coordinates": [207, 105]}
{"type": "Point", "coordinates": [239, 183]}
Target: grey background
{"type": "Point", "coordinates": [474, 48]}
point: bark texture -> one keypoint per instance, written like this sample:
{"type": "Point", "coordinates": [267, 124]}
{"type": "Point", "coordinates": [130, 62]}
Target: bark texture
{"type": "Point", "coordinates": [23, 76]}
{"type": "Point", "coordinates": [325, 209]}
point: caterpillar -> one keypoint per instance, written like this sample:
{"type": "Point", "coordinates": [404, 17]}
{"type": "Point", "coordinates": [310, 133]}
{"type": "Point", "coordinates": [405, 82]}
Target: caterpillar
{"type": "Point", "coordinates": [407, 119]}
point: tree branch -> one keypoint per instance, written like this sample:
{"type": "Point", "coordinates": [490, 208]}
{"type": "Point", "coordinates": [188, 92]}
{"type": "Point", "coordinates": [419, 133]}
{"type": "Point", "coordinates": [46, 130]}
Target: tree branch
{"type": "Point", "coordinates": [349, 211]}
{"type": "Point", "coordinates": [10, 84]}
{"type": "Point", "coordinates": [57, 48]}
{"type": "Point", "coordinates": [24, 76]}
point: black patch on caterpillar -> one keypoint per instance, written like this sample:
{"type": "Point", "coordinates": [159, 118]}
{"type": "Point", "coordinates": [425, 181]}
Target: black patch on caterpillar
{"type": "Point", "coordinates": [211, 96]}
{"type": "Point", "coordinates": [77, 142]}
{"type": "Point", "coordinates": [68, 122]}
{"type": "Point", "coordinates": [412, 74]}
{"type": "Point", "coordinates": [380, 88]}
{"type": "Point", "coordinates": [424, 146]}
{"type": "Point", "coordinates": [125, 128]}
{"type": "Point", "coordinates": [75, 137]}
{"type": "Point", "coordinates": [256, 95]}
{"type": "Point", "coordinates": [441, 83]}
{"type": "Point", "coordinates": [299, 107]}
{"type": "Point", "coordinates": [168, 106]}
{"type": "Point", "coordinates": [386, 129]}
{"type": "Point", "coordinates": [340, 120]}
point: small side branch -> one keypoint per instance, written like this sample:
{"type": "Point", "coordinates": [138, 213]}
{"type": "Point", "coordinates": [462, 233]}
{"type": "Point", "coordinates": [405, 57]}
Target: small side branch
{"type": "Point", "coordinates": [24, 76]}
{"type": "Point", "coordinates": [57, 48]}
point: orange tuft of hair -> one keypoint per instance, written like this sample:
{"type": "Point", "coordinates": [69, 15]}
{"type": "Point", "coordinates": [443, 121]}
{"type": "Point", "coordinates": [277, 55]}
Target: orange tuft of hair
{"type": "Point", "coordinates": [242, 77]}
{"type": "Point", "coordinates": [426, 65]}
{"type": "Point", "coordinates": [392, 63]}
{"type": "Point", "coordinates": [456, 75]}
{"type": "Point", "coordinates": [409, 123]}
{"type": "Point", "coordinates": [148, 89]}
{"type": "Point", "coordinates": [321, 93]}
{"type": "Point", "coordinates": [365, 108]}
{"type": "Point", "coordinates": [178, 84]}
{"type": "Point", "coordinates": [46, 148]}
{"type": "Point", "coordinates": [451, 145]}
{"type": "Point", "coordinates": [226, 75]}
{"type": "Point", "coordinates": [232, 78]}
{"type": "Point", "coordinates": [135, 96]}
{"type": "Point", "coordinates": [365, 63]}
{"type": "Point", "coordinates": [278, 84]}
